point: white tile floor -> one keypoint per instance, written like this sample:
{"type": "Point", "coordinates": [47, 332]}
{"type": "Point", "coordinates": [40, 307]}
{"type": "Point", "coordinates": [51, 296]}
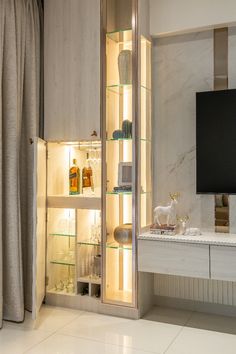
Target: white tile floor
{"type": "Point", "coordinates": [169, 331]}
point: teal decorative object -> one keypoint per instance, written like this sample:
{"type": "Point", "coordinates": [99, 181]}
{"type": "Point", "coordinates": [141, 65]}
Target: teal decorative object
{"type": "Point", "coordinates": [127, 129]}
{"type": "Point", "coordinates": [117, 134]}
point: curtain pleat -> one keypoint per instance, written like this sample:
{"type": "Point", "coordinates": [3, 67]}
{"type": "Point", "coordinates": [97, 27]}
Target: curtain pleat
{"type": "Point", "coordinates": [2, 18]}
{"type": "Point", "coordinates": [20, 89]}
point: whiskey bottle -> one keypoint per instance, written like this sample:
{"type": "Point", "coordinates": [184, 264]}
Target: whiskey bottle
{"type": "Point", "coordinates": [87, 177]}
{"type": "Point", "coordinates": [74, 179]}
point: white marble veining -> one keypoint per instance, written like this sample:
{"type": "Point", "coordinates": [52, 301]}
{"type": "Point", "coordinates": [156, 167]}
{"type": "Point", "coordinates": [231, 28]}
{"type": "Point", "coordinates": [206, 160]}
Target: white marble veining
{"type": "Point", "coordinates": [182, 66]}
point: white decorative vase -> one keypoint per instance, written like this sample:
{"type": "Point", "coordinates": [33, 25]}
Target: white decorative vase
{"type": "Point", "coordinates": [125, 67]}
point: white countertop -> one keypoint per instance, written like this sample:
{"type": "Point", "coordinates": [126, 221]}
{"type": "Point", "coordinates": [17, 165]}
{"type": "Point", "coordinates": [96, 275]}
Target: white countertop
{"type": "Point", "coordinates": [209, 238]}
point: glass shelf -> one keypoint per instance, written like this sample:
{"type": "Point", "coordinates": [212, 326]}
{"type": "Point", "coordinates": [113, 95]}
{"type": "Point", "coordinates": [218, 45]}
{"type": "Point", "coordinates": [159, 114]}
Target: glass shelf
{"type": "Point", "coordinates": [90, 279]}
{"type": "Point", "coordinates": [62, 292]}
{"type": "Point", "coordinates": [124, 193]}
{"type": "Point", "coordinates": [61, 234]}
{"type": "Point", "coordinates": [120, 36]}
{"type": "Point", "coordinates": [89, 243]}
{"type": "Point", "coordinates": [67, 263]}
{"type": "Point", "coordinates": [111, 244]}
{"type": "Point", "coordinates": [120, 139]}
{"type": "Point", "coordinates": [117, 88]}
{"type": "Point", "coordinates": [117, 246]}
{"type": "Point", "coordinates": [127, 139]}
{"type": "Point", "coordinates": [120, 193]}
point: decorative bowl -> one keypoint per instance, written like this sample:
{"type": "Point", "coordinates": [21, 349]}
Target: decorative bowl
{"type": "Point", "coordinates": [123, 234]}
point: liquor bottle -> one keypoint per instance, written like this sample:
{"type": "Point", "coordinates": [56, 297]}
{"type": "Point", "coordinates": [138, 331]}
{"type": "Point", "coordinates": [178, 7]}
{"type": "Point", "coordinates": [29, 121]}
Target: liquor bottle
{"type": "Point", "coordinates": [87, 177]}
{"type": "Point", "coordinates": [74, 179]}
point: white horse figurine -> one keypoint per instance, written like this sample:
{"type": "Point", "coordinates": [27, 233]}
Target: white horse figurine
{"type": "Point", "coordinates": [168, 211]}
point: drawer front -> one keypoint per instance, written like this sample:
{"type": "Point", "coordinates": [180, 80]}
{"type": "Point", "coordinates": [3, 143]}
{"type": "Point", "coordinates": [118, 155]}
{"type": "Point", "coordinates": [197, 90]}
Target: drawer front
{"type": "Point", "coordinates": [190, 260]}
{"type": "Point", "coordinates": [223, 263]}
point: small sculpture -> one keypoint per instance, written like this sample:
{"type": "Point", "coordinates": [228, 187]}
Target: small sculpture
{"type": "Point", "coordinates": [182, 220]}
{"type": "Point", "coordinates": [125, 67]}
{"type": "Point", "coordinates": [191, 231]}
{"type": "Point", "coordinates": [168, 211]}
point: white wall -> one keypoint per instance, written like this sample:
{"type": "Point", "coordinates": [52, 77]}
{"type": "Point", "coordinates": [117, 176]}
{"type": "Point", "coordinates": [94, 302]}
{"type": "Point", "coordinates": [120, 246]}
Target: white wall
{"type": "Point", "coordinates": [183, 65]}
{"type": "Point", "coordinates": [180, 16]}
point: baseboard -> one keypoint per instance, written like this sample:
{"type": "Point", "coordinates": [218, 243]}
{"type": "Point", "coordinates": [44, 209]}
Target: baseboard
{"type": "Point", "coordinates": [91, 304]}
{"type": "Point", "coordinates": [197, 306]}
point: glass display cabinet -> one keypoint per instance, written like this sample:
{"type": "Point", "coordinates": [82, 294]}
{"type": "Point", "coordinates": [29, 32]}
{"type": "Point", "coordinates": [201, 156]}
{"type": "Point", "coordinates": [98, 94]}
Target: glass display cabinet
{"type": "Point", "coordinates": [126, 146]}
{"type": "Point", "coordinates": [73, 225]}
{"type": "Point", "coordinates": [68, 220]}
{"type": "Point", "coordinates": [89, 231]}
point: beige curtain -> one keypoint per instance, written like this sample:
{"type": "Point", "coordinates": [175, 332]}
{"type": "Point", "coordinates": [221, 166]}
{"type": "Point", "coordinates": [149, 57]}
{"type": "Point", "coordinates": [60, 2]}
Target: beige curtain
{"type": "Point", "coordinates": [19, 121]}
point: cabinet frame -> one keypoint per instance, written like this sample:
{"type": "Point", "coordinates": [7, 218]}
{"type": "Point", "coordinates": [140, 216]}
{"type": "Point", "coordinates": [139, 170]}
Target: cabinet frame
{"type": "Point", "coordinates": [136, 144]}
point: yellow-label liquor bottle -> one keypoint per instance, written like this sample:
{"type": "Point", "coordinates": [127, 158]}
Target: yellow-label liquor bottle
{"type": "Point", "coordinates": [74, 179]}
{"type": "Point", "coordinates": [87, 178]}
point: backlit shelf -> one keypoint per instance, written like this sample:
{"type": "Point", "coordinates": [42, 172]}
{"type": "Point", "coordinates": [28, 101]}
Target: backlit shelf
{"type": "Point", "coordinates": [74, 202]}
{"type": "Point", "coordinates": [110, 244]}
{"type": "Point", "coordinates": [62, 234]}
{"type": "Point", "coordinates": [88, 243]}
{"type": "Point", "coordinates": [62, 262]}
{"type": "Point", "coordinates": [60, 292]}
{"type": "Point", "coordinates": [120, 36]}
{"type": "Point", "coordinates": [117, 246]}
{"type": "Point", "coordinates": [124, 193]}
{"type": "Point", "coordinates": [120, 88]}
{"type": "Point", "coordinates": [119, 193]}
{"type": "Point", "coordinates": [126, 139]}
{"type": "Point", "coordinates": [89, 279]}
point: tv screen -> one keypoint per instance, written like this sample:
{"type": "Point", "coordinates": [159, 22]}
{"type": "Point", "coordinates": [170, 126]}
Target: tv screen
{"type": "Point", "coordinates": [216, 141]}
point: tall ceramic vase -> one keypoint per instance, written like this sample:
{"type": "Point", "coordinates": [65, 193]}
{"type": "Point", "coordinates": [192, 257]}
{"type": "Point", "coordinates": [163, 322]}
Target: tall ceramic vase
{"type": "Point", "coordinates": [125, 67]}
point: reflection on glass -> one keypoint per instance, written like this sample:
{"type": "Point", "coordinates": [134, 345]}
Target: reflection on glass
{"type": "Point", "coordinates": [222, 213]}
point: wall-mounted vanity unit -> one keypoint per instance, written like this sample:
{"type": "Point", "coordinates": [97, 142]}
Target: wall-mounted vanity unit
{"type": "Point", "coordinates": [91, 238]}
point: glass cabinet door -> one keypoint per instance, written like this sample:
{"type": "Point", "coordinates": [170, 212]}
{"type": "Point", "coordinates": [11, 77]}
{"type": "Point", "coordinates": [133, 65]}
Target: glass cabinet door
{"type": "Point", "coordinates": [126, 118]}
{"type": "Point", "coordinates": [118, 235]}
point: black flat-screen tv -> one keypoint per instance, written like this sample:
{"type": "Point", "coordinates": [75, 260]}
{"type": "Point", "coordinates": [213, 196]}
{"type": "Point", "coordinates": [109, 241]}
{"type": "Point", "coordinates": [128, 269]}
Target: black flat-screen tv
{"type": "Point", "coordinates": [216, 141]}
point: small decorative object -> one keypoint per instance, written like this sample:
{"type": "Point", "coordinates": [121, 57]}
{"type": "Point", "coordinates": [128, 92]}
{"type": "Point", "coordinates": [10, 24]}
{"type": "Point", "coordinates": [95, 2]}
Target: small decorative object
{"type": "Point", "coordinates": [125, 67]}
{"type": "Point", "coordinates": [163, 229]}
{"type": "Point", "coordinates": [117, 134]}
{"type": "Point", "coordinates": [182, 220]}
{"type": "Point", "coordinates": [123, 234]}
{"type": "Point", "coordinates": [193, 231]}
{"type": "Point", "coordinates": [97, 265]}
{"type": "Point", "coordinates": [127, 129]}
{"type": "Point", "coordinates": [168, 211]}
{"type": "Point", "coordinates": [84, 290]}
{"type": "Point", "coordinates": [125, 174]}
{"type": "Point", "coordinates": [122, 189]}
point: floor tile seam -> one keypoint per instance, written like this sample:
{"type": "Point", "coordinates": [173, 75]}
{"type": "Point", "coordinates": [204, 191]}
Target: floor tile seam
{"type": "Point", "coordinates": [41, 341]}
{"type": "Point", "coordinates": [69, 322]}
{"type": "Point", "coordinates": [103, 342]}
{"type": "Point", "coordinates": [49, 335]}
{"type": "Point", "coordinates": [26, 327]}
{"type": "Point", "coordinates": [173, 340]}
{"type": "Point", "coordinates": [189, 318]}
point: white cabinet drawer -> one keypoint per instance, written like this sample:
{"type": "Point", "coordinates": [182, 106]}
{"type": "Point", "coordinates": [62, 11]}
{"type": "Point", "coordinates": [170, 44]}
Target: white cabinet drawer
{"type": "Point", "coordinates": [223, 263]}
{"type": "Point", "coordinates": [191, 260]}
